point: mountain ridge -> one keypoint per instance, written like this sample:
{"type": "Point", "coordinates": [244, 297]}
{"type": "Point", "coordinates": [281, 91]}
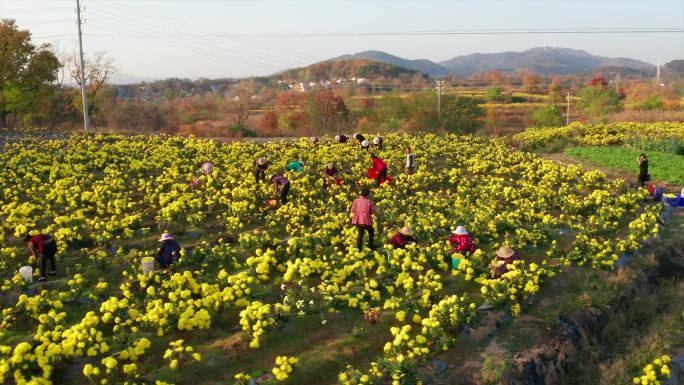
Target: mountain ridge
{"type": "Point", "coordinates": [545, 61]}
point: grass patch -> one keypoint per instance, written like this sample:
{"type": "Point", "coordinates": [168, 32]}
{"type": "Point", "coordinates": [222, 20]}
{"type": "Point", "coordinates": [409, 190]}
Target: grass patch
{"type": "Point", "coordinates": [495, 367]}
{"type": "Point", "coordinates": [662, 166]}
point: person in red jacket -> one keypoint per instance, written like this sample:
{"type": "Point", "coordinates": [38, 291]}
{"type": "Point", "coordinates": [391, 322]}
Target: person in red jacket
{"type": "Point", "coordinates": [461, 242]}
{"type": "Point", "coordinates": [45, 246]}
{"type": "Point", "coordinates": [380, 168]}
{"type": "Point", "coordinates": [402, 238]}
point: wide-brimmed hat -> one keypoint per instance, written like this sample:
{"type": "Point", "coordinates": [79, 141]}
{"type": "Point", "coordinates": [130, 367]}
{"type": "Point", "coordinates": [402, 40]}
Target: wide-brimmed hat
{"type": "Point", "coordinates": [301, 162]}
{"type": "Point", "coordinates": [376, 140]}
{"type": "Point", "coordinates": [406, 231]}
{"type": "Point", "coordinates": [261, 161]}
{"type": "Point", "coordinates": [330, 166]}
{"type": "Point", "coordinates": [337, 137]}
{"type": "Point", "coordinates": [460, 230]}
{"type": "Point", "coordinates": [165, 237]}
{"type": "Point", "coordinates": [207, 167]}
{"type": "Point", "coordinates": [505, 252]}
{"type": "Point", "coordinates": [365, 143]}
{"type": "Point", "coordinates": [356, 135]}
{"type": "Point", "coordinates": [314, 139]}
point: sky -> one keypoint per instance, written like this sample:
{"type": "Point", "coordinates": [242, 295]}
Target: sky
{"type": "Point", "coordinates": [156, 39]}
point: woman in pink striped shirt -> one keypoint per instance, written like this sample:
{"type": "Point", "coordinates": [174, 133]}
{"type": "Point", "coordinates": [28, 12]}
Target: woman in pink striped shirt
{"type": "Point", "coordinates": [362, 211]}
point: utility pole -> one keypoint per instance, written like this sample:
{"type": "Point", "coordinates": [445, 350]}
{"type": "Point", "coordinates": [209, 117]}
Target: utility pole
{"type": "Point", "coordinates": [439, 87]}
{"type": "Point", "coordinates": [658, 69]}
{"type": "Point", "coordinates": [86, 118]}
{"type": "Point", "coordinates": [617, 83]}
{"type": "Point", "coordinates": [567, 111]}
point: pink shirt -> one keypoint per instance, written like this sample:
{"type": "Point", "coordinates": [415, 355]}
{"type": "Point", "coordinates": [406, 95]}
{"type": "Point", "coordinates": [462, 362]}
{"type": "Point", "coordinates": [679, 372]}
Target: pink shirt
{"type": "Point", "coordinates": [362, 209]}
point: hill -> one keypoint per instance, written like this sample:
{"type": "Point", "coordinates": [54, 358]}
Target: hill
{"type": "Point", "coordinates": [421, 65]}
{"type": "Point", "coordinates": [559, 61]}
{"type": "Point", "coordinates": [345, 69]}
{"type": "Point", "coordinates": [674, 68]}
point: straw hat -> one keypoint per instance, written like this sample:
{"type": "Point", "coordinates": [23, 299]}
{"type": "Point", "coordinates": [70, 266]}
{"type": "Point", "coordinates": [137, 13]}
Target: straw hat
{"type": "Point", "coordinates": [337, 137]}
{"type": "Point", "coordinates": [406, 231]}
{"type": "Point", "coordinates": [314, 139]}
{"type": "Point", "coordinates": [460, 230]}
{"type": "Point", "coordinates": [356, 135]}
{"type": "Point", "coordinates": [207, 167]}
{"type": "Point", "coordinates": [330, 166]}
{"type": "Point", "coordinates": [165, 237]}
{"type": "Point", "coordinates": [505, 252]}
{"type": "Point", "coordinates": [261, 161]}
{"type": "Point", "coordinates": [376, 140]}
{"type": "Point", "coordinates": [301, 162]}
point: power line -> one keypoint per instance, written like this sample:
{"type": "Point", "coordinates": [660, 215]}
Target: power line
{"type": "Point", "coordinates": [463, 32]}
{"type": "Point", "coordinates": [259, 60]}
{"type": "Point", "coordinates": [248, 46]}
{"type": "Point", "coordinates": [180, 45]}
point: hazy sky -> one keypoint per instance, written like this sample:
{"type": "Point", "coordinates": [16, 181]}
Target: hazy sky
{"type": "Point", "coordinates": [195, 38]}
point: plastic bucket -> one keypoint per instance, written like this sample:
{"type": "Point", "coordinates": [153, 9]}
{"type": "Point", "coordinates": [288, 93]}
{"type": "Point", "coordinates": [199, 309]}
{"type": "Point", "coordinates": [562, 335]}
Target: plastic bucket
{"type": "Point", "coordinates": [147, 264]}
{"type": "Point", "coordinates": [455, 262]}
{"type": "Point", "coordinates": [26, 273]}
{"type": "Point", "coordinates": [657, 194]}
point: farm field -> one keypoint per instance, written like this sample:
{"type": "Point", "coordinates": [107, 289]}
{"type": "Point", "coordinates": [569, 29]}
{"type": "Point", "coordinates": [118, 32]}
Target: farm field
{"type": "Point", "coordinates": [663, 166]}
{"type": "Point", "coordinates": [282, 295]}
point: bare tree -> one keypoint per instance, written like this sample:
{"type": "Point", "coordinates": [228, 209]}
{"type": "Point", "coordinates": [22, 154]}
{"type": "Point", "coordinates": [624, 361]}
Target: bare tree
{"type": "Point", "coordinates": [99, 68]}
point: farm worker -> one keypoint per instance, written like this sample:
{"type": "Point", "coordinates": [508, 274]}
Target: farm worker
{"type": "Point", "coordinates": [402, 238]}
{"type": "Point", "coordinates": [380, 168]}
{"type": "Point", "coordinates": [314, 140]}
{"type": "Point", "coordinates": [329, 175]}
{"type": "Point", "coordinates": [260, 169]}
{"type": "Point", "coordinates": [342, 138]}
{"type": "Point", "coordinates": [505, 256]}
{"type": "Point", "coordinates": [195, 182]}
{"type": "Point", "coordinates": [410, 161]}
{"type": "Point", "coordinates": [365, 144]}
{"type": "Point", "coordinates": [282, 186]}
{"type": "Point", "coordinates": [297, 165]}
{"type": "Point", "coordinates": [377, 142]}
{"type": "Point", "coordinates": [362, 217]}
{"type": "Point", "coordinates": [169, 252]}
{"type": "Point", "coordinates": [360, 138]}
{"type": "Point", "coordinates": [643, 169]}
{"type": "Point", "coordinates": [207, 168]}
{"type": "Point", "coordinates": [461, 242]}
{"type": "Point", "coordinates": [46, 246]}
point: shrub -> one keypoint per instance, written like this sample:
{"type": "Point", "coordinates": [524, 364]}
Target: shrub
{"type": "Point", "coordinates": [653, 102]}
{"type": "Point", "coordinates": [549, 116]}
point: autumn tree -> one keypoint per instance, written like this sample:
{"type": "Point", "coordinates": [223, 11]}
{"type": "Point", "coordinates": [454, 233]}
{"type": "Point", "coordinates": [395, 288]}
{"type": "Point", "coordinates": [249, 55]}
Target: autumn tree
{"type": "Point", "coordinates": [269, 121]}
{"type": "Point", "coordinates": [25, 70]}
{"type": "Point", "coordinates": [598, 100]}
{"type": "Point", "coordinates": [532, 83]}
{"type": "Point", "coordinates": [98, 69]}
{"type": "Point", "coordinates": [555, 92]}
{"type": "Point", "coordinates": [327, 111]}
{"type": "Point", "coordinates": [292, 114]}
{"type": "Point", "coordinates": [495, 78]}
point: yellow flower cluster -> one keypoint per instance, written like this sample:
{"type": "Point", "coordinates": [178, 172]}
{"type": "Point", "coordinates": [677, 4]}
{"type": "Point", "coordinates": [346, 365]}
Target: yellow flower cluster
{"type": "Point", "coordinates": [284, 367]}
{"type": "Point", "coordinates": [654, 372]}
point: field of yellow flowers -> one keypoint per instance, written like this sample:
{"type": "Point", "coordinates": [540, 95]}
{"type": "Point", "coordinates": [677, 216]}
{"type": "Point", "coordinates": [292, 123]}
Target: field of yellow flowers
{"type": "Point", "coordinates": [250, 274]}
{"type": "Point", "coordinates": [598, 134]}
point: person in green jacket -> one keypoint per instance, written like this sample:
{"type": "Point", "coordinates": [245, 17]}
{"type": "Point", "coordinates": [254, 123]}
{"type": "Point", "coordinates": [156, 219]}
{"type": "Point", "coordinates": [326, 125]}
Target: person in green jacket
{"type": "Point", "coordinates": [297, 165]}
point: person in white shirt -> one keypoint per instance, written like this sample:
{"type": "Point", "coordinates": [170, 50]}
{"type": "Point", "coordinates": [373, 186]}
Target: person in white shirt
{"type": "Point", "coordinates": [410, 161]}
